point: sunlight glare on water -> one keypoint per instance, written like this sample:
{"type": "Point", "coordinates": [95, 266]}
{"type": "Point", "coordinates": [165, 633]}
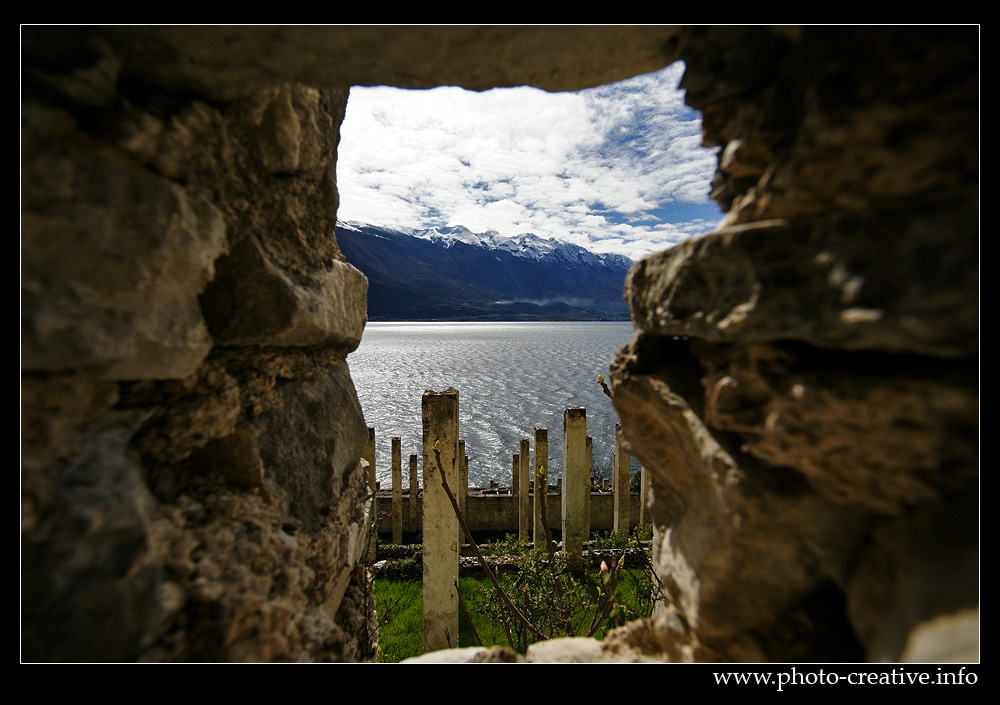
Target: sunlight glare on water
{"type": "Point", "coordinates": [511, 377]}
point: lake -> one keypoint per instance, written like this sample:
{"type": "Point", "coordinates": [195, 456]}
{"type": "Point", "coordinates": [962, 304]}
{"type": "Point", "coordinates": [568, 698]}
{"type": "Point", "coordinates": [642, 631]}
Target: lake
{"type": "Point", "coordinates": [511, 377]}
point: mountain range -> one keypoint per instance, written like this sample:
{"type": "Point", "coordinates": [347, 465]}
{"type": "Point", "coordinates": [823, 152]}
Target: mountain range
{"type": "Point", "coordinates": [455, 274]}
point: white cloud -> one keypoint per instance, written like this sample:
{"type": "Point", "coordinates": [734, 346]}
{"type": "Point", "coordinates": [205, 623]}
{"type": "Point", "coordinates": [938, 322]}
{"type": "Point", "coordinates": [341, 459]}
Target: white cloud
{"type": "Point", "coordinates": [575, 166]}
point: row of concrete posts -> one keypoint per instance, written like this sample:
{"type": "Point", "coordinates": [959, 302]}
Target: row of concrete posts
{"type": "Point", "coordinates": [510, 509]}
{"type": "Point", "coordinates": [446, 464]}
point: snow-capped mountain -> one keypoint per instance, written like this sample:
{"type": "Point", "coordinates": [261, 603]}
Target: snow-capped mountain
{"type": "Point", "coordinates": [454, 273]}
{"type": "Point", "coordinates": [526, 245]}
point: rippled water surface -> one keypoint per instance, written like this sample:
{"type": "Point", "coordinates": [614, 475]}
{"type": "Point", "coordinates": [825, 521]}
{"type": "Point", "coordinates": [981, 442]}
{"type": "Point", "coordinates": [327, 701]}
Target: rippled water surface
{"type": "Point", "coordinates": [511, 377]}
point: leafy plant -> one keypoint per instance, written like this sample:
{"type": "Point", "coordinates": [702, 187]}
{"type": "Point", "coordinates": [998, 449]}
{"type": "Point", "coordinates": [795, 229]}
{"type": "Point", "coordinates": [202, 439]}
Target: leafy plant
{"type": "Point", "coordinates": [510, 545]}
{"type": "Point", "coordinates": [612, 540]}
{"type": "Point", "coordinates": [401, 614]}
{"type": "Point", "coordinates": [514, 612]}
{"type": "Point", "coordinates": [555, 600]}
{"type": "Point", "coordinates": [544, 599]}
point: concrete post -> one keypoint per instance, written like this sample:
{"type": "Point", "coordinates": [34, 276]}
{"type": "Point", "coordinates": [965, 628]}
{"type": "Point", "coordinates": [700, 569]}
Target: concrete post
{"type": "Point", "coordinates": [440, 438]}
{"type": "Point", "coordinates": [620, 474]}
{"type": "Point", "coordinates": [574, 471]}
{"type": "Point", "coordinates": [524, 492]}
{"type": "Point", "coordinates": [644, 504]}
{"type": "Point", "coordinates": [397, 490]}
{"type": "Point", "coordinates": [556, 512]}
{"type": "Point", "coordinates": [589, 484]}
{"type": "Point", "coordinates": [462, 491]}
{"type": "Point", "coordinates": [414, 491]}
{"type": "Point", "coordinates": [368, 454]}
{"type": "Point", "coordinates": [541, 484]}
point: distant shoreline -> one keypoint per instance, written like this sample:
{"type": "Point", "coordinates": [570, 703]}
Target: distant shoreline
{"type": "Point", "coordinates": [489, 319]}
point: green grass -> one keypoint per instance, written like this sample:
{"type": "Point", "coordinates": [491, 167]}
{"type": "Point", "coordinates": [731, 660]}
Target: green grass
{"type": "Point", "coordinates": [400, 609]}
{"type": "Point", "coordinates": [474, 591]}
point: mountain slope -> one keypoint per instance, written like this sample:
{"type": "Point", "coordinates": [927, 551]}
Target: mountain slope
{"type": "Point", "coordinates": [454, 274]}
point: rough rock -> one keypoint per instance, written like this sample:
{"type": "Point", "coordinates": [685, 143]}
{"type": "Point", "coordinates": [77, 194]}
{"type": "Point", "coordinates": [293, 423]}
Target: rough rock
{"type": "Point", "coordinates": [113, 258]}
{"type": "Point", "coordinates": [833, 283]}
{"type": "Point", "coordinates": [803, 385]}
{"type": "Point", "coordinates": [190, 477]}
{"type": "Point", "coordinates": [469, 654]}
{"type": "Point", "coordinates": [222, 63]}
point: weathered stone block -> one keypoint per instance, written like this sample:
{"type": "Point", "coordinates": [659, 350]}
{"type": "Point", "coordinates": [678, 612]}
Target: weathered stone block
{"type": "Point", "coordinates": [832, 283]}
{"type": "Point", "coordinates": [113, 261]}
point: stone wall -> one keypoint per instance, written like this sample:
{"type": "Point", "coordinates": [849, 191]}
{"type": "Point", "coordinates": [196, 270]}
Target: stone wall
{"type": "Point", "coordinates": [498, 513]}
{"type": "Point", "coordinates": [190, 484]}
{"type": "Point", "coordinates": [190, 430]}
{"type": "Point", "coordinates": [803, 385]}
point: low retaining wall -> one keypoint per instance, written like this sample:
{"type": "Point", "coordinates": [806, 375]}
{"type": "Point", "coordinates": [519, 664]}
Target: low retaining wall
{"type": "Point", "coordinates": [499, 512]}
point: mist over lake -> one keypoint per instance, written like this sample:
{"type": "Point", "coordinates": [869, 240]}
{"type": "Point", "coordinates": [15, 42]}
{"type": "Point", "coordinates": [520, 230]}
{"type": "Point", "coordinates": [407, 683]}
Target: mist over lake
{"type": "Point", "coordinates": [511, 377]}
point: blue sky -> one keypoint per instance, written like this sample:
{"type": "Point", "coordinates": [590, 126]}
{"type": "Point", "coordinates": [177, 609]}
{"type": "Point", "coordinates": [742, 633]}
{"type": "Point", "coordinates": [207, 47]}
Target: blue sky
{"type": "Point", "coordinates": [617, 168]}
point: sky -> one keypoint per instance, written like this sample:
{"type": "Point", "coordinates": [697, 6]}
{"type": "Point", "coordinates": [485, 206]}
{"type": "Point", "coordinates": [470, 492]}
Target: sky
{"type": "Point", "coordinates": [617, 168]}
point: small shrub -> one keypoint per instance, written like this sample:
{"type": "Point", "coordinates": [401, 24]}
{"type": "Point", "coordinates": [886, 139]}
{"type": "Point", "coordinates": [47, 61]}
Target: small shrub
{"type": "Point", "coordinates": [510, 545]}
{"type": "Point", "coordinates": [556, 601]}
{"type": "Point", "coordinates": [611, 540]}
{"type": "Point", "coordinates": [410, 568]}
